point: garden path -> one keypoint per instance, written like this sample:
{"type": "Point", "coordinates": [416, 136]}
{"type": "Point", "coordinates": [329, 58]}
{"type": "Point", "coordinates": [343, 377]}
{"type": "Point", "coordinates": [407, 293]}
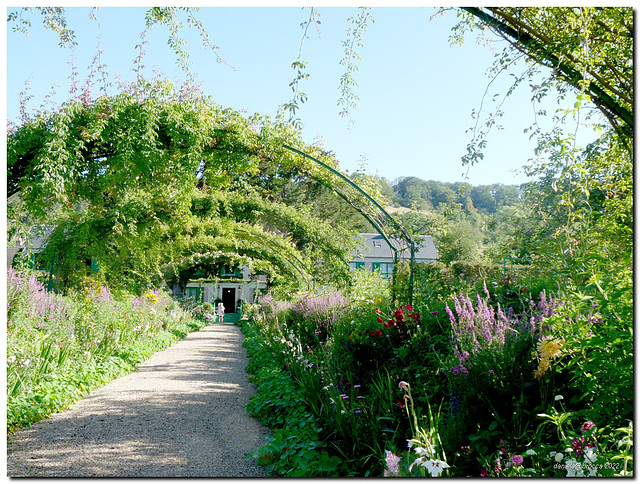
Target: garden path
{"type": "Point", "coordinates": [181, 414]}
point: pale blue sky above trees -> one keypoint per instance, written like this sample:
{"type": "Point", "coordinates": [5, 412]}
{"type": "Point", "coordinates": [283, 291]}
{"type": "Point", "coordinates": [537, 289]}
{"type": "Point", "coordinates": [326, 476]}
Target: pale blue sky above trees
{"type": "Point", "coordinates": [416, 91]}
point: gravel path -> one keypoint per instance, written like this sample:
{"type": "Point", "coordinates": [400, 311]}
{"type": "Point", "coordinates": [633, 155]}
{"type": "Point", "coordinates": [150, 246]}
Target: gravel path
{"type": "Point", "coordinates": [181, 414]}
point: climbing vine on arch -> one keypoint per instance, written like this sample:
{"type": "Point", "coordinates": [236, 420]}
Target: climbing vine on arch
{"type": "Point", "coordinates": [132, 180]}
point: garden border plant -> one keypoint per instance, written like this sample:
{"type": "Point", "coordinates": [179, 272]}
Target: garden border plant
{"type": "Point", "coordinates": [59, 348]}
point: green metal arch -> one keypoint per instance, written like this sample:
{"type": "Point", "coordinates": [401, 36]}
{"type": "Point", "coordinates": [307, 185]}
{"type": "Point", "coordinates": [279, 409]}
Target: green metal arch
{"type": "Point", "coordinates": [390, 221]}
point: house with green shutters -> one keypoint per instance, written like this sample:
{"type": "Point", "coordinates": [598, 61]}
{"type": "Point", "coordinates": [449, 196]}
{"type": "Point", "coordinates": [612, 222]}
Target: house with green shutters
{"type": "Point", "coordinates": [376, 255]}
{"type": "Point", "coordinates": [232, 287]}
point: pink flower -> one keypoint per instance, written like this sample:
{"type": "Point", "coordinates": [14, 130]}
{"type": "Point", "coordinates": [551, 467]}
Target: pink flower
{"type": "Point", "coordinates": [392, 464]}
{"type": "Point", "coordinates": [517, 460]}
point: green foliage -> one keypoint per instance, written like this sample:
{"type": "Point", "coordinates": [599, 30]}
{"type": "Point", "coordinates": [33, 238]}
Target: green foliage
{"type": "Point", "coordinates": [458, 244]}
{"type": "Point", "coordinates": [53, 19]}
{"type": "Point", "coordinates": [599, 362]}
{"type": "Point", "coordinates": [295, 450]}
{"type": "Point", "coordinates": [348, 99]}
{"type": "Point", "coordinates": [148, 178]}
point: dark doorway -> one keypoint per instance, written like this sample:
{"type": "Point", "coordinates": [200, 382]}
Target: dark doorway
{"type": "Point", "coordinates": [229, 299]}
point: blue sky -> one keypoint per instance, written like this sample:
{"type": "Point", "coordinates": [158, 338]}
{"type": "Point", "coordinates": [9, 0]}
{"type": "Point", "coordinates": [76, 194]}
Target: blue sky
{"type": "Point", "coordinates": [416, 92]}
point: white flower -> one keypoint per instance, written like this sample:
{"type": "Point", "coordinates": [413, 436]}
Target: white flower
{"type": "Point", "coordinates": [559, 456]}
{"type": "Point", "coordinates": [392, 461]}
{"type": "Point", "coordinates": [419, 460]}
{"type": "Point", "coordinates": [530, 452]}
{"type": "Point", "coordinates": [558, 398]}
{"type": "Point", "coordinates": [435, 467]}
{"type": "Point", "coordinates": [590, 455]}
{"type": "Point", "coordinates": [552, 453]}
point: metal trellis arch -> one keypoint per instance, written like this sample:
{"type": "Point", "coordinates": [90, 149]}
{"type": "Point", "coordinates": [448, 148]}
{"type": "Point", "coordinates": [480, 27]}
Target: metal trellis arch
{"type": "Point", "coordinates": [380, 219]}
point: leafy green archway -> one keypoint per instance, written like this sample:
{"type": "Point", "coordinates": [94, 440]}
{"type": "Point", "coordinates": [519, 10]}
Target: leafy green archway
{"type": "Point", "coordinates": [144, 179]}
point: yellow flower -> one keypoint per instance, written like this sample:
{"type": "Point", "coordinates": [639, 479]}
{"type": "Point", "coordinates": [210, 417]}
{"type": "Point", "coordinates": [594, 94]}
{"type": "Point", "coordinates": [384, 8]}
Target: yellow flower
{"type": "Point", "coordinates": [543, 366]}
{"type": "Point", "coordinates": [550, 348]}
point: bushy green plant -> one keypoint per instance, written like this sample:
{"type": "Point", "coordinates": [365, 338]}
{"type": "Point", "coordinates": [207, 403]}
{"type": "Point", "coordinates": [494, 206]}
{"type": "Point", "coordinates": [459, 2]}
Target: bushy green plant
{"type": "Point", "coordinates": [368, 290]}
{"type": "Point", "coordinates": [597, 360]}
{"type": "Point", "coordinates": [295, 450]}
{"type": "Point", "coordinates": [207, 308]}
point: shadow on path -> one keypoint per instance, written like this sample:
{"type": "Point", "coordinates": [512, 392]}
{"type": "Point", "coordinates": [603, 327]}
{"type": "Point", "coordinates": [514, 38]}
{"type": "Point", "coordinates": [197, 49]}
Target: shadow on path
{"type": "Point", "coordinates": [181, 414]}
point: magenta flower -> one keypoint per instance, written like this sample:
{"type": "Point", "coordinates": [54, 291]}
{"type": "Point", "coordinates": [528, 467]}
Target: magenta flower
{"type": "Point", "coordinates": [588, 425]}
{"type": "Point", "coordinates": [517, 460]}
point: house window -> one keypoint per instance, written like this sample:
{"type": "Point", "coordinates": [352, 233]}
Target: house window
{"type": "Point", "coordinates": [356, 265]}
{"type": "Point", "coordinates": [227, 271]}
{"type": "Point", "coordinates": [196, 293]}
{"type": "Point", "coordinates": [385, 269]}
{"type": "Point", "coordinates": [377, 243]}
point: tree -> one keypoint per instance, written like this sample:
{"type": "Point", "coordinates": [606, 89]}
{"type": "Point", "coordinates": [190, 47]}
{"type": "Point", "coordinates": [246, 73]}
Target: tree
{"type": "Point", "coordinates": [588, 48]}
{"type": "Point", "coordinates": [582, 193]}
{"type": "Point", "coordinates": [459, 242]}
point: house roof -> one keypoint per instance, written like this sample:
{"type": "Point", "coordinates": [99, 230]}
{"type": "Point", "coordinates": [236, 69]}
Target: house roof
{"type": "Point", "coordinates": [374, 246]}
{"type": "Point", "coordinates": [40, 236]}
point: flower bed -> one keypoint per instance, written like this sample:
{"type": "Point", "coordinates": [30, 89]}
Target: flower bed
{"type": "Point", "coordinates": [59, 348]}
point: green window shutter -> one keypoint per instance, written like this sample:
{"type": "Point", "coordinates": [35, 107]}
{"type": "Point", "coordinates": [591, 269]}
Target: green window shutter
{"type": "Point", "coordinates": [359, 265]}
{"type": "Point", "coordinates": [375, 266]}
{"type": "Point", "coordinates": [94, 265]}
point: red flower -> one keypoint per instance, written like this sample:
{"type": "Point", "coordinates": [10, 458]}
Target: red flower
{"type": "Point", "coordinates": [399, 315]}
{"type": "Point", "coordinates": [390, 323]}
{"type": "Point", "coordinates": [381, 321]}
{"type": "Point", "coordinates": [375, 334]}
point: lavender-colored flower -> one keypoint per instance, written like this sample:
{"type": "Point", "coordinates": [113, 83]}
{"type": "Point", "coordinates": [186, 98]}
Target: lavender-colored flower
{"type": "Point", "coordinates": [477, 327]}
{"type": "Point", "coordinates": [392, 461]}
